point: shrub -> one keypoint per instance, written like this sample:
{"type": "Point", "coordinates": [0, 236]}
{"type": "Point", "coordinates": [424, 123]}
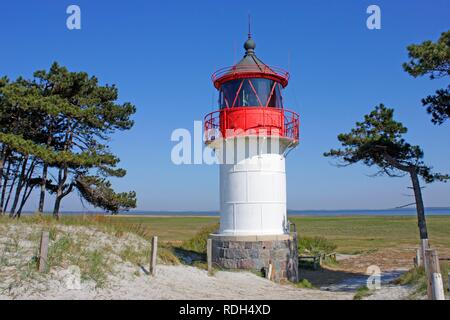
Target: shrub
{"type": "Point", "coordinates": [315, 245]}
{"type": "Point", "coordinates": [304, 284]}
{"type": "Point", "coordinates": [362, 292]}
{"type": "Point", "coordinates": [198, 242]}
{"type": "Point", "coordinates": [167, 255]}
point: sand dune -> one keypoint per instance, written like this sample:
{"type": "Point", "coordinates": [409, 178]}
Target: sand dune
{"type": "Point", "coordinates": [109, 268]}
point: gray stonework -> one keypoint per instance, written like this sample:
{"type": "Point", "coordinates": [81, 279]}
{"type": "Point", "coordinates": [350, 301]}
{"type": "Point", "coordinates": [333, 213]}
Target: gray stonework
{"type": "Point", "coordinates": [251, 253]}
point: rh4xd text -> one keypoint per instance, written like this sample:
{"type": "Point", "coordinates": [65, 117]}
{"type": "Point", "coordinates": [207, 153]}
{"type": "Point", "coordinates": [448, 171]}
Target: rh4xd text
{"type": "Point", "coordinates": [228, 309]}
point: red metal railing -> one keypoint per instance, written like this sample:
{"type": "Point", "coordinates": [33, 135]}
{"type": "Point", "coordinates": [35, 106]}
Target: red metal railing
{"type": "Point", "coordinates": [270, 122]}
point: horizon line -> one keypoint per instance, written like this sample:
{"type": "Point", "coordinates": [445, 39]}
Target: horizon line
{"type": "Point", "coordinates": [218, 211]}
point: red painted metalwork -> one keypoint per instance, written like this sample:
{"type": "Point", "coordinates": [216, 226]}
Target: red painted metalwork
{"type": "Point", "coordinates": [271, 93]}
{"type": "Point", "coordinates": [238, 119]}
{"type": "Point", "coordinates": [241, 121]}
{"type": "Point", "coordinates": [251, 71]}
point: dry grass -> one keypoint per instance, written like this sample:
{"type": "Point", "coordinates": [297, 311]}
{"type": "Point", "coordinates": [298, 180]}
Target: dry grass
{"type": "Point", "coordinates": [417, 278]}
{"type": "Point", "coordinates": [351, 234]}
{"type": "Point", "coordinates": [91, 243]}
{"type": "Point", "coordinates": [357, 234]}
{"type": "Point", "coordinates": [360, 234]}
{"type": "Point", "coordinates": [362, 292]}
{"type": "Point", "coordinates": [198, 242]}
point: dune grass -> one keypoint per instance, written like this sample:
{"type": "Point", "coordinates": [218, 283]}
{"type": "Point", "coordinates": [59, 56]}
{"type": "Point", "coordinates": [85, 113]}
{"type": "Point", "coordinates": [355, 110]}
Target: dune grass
{"type": "Point", "coordinates": [416, 277]}
{"type": "Point", "coordinates": [174, 229]}
{"type": "Point", "coordinates": [67, 248]}
{"type": "Point", "coordinates": [198, 242]}
{"type": "Point", "coordinates": [356, 234]}
{"type": "Point", "coordinates": [315, 245]}
{"type": "Point", "coordinates": [304, 284]}
{"type": "Point", "coordinates": [351, 234]}
{"type": "Point", "coordinates": [362, 292]}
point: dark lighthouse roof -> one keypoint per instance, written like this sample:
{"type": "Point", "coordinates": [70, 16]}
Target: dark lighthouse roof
{"type": "Point", "coordinates": [250, 66]}
{"type": "Point", "coordinates": [250, 60]}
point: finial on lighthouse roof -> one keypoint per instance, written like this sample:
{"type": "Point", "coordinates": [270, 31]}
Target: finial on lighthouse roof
{"type": "Point", "coordinates": [250, 44]}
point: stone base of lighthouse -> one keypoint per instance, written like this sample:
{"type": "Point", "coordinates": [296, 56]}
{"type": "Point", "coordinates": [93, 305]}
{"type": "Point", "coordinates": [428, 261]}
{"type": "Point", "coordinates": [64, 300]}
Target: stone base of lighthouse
{"type": "Point", "coordinates": [256, 253]}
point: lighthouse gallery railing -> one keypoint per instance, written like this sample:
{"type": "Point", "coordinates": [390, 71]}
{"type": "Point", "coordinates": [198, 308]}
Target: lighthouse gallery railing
{"type": "Point", "coordinates": [216, 123]}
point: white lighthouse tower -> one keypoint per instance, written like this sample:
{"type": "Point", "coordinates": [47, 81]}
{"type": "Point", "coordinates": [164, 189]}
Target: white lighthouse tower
{"type": "Point", "coordinates": [251, 134]}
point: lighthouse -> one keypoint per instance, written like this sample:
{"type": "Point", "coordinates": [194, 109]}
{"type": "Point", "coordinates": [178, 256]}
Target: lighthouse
{"type": "Point", "coordinates": [251, 134]}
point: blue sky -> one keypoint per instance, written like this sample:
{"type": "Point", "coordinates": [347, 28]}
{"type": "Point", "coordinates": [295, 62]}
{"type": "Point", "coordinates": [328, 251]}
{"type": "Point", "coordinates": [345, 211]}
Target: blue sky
{"type": "Point", "coordinates": [161, 54]}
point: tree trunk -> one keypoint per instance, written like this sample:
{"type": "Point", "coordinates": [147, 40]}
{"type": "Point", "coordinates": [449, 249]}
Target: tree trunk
{"type": "Point", "coordinates": [25, 197]}
{"type": "Point", "coordinates": [19, 187]}
{"type": "Point", "coordinates": [42, 193]}
{"type": "Point", "coordinates": [61, 193]}
{"type": "Point", "coordinates": [62, 177]}
{"type": "Point", "coordinates": [28, 187]}
{"type": "Point", "coordinates": [419, 205]}
{"type": "Point", "coordinates": [57, 206]}
{"type": "Point", "coordinates": [5, 186]}
{"type": "Point", "coordinates": [45, 173]}
{"type": "Point", "coordinates": [2, 163]}
{"type": "Point", "coordinates": [421, 221]}
{"type": "Point", "coordinates": [11, 187]}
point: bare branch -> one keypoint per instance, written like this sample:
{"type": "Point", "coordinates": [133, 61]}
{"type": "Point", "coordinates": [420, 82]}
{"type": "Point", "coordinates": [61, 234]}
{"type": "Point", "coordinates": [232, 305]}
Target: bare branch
{"type": "Point", "coordinates": [406, 205]}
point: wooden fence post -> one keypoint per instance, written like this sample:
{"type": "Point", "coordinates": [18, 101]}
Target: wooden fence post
{"type": "Point", "coordinates": [209, 255]}
{"type": "Point", "coordinates": [432, 266]}
{"type": "Point", "coordinates": [438, 287]}
{"type": "Point", "coordinates": [43, 252]}
{"type": "Point", "coordinates": [154, 255]}
{"type": "Point", "coordinates": [418, 260]}
{"type": "Point", "coordinates": [424, 246]}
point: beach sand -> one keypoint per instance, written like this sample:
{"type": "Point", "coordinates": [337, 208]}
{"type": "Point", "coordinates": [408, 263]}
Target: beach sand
{"type": "Point", "coordinates": [127, 280]}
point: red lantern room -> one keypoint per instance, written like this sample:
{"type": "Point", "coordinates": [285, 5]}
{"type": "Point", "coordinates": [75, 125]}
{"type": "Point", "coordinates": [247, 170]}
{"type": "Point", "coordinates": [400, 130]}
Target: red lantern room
{"type": "Point", "coordinates": [251, 101]}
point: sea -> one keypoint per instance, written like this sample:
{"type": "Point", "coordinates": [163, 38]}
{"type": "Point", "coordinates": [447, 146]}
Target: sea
{"type": "Point", "coordinates": [435, 211]}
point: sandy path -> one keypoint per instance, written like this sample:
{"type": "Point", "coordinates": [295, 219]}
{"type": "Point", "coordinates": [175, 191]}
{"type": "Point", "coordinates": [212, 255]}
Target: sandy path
{"type": "Point", "coordinates": [183, 282]}
{"type": "Point", "coordinates": [391, 292]}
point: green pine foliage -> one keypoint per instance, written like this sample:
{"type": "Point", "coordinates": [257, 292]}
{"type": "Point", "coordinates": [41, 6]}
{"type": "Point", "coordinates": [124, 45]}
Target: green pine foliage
{"type": "Point", "coordinates": [378, 141]}
{"type": "Point", "coordinates": [54, 134]}
{"type": "Point", "coordinates": [432, 59]}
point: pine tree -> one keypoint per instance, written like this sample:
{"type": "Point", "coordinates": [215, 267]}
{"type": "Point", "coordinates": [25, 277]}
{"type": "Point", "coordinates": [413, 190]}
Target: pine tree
{"type": "Point", "coordinates": [61, 121]}
{"type": "Point", "coordinates": [378, 141]}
